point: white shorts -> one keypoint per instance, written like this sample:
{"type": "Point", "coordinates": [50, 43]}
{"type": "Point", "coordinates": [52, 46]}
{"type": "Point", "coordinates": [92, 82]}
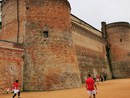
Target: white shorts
{"type": "Point", "coordinates": [91, 92]}
{"type": "Point", "coordinates": [98, 80]}
{"type": "Point", "coordinates": [16, 91]}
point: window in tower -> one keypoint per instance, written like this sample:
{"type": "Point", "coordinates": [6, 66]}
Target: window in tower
{"type": "Point", "coordinates": [120, 40]}
{"type": "Point", "coordinates": [27, 8]}
{"type": "Point", "coordinates": [45, 34]}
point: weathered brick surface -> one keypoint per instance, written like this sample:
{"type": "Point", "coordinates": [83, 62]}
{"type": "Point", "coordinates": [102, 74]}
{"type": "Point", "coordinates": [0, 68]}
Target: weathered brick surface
{"type": "Point", "coordinates": [91, 54]}
{"type": "Point", "coordinates": [10, 20]}
{"type": "Point", "coordinates": [50, 63]}
{"type": "Point", "coordinates": [56, 62]}
{"type": "Point", "coordinates": [118, 38]}
{"type": "Point", "coordinates": [11, 68]}
{"type": "Point", "coordinates": [91, 62]}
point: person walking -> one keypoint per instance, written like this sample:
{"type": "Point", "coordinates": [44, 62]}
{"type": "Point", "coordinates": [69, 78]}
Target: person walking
{"type": "Point", "coordinates": [105, 76]}
{"type": "Point", "coordinates": [101, 77]}
{"type": "Point", "coordinates": [91, 87]}
{"type": "Point", "coordinates": [16, 89]}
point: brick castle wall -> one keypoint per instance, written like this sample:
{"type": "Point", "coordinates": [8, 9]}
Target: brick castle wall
{"type": "Point", "coordinates": [11, 67]}
{"type": "Point", "coordinates": [118, 38]}
{"type": "Point", "coordinates": [50, 62]}
{"type": "Point", "coordinates": [13, 14]}
{"type": "Point", "coordinates": [63, 57]}
{"type": "Point", "coordinates": [91, 53]}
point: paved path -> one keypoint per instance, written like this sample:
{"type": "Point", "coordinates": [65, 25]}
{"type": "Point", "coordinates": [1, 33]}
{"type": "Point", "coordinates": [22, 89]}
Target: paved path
{"type": "Point", "coordinates": [119, 88]}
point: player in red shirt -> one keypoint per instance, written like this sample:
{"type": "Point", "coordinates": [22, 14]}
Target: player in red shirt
{"type": "Point", "coordinates": [16, 89]}
{"type": "Point", "coordinates": [91, 86]}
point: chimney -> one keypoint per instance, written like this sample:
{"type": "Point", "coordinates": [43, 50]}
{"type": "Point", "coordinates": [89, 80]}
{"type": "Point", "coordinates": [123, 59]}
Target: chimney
{"type": "Point", "coordinates": [104, 33]}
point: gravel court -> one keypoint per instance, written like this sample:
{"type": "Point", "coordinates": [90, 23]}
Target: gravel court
{"type": "Point", "coordinates": [118, 88]}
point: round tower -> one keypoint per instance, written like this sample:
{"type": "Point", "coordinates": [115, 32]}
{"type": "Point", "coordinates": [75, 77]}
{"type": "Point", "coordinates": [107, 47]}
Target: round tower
{"type": "Point", "coordinates": [13, 20]}
{"type": "Point", "coordinates": [119, 43]}
{"type": "Point", "coordinates": [50, 58]}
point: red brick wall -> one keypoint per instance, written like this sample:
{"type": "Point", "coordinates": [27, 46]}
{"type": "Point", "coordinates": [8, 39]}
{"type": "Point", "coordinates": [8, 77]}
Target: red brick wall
{"type": "Point", "coordinates": [91, 62]}
{"type": "Point", "coordinates": [50, 63]}
{"type": "Point", "coordinates": [11, 67]}
{"type": "Point", "coordinates": [10, 20]}
{"type": "Point", "coordinates": [91, 52]}
{"type": "Point", "coordinates": [118, 38]}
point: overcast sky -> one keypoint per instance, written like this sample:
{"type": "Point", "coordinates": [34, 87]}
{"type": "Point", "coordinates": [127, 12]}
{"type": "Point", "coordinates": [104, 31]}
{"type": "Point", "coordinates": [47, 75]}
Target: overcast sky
{"type": "Point", "coordinates": [95, 11]}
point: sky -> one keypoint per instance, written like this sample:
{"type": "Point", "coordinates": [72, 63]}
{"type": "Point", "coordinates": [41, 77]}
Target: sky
{"type": "Point", "coordinates": [96, 11]}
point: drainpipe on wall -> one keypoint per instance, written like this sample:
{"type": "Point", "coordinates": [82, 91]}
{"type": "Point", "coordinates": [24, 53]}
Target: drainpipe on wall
{"type": "Point", "coordinates": [104, 34]}
{"type": "Point", "coordinates": [18, 21]}
{"type": "Point", "coordinates": [1, 14]}
{"type": "Point", "coordinates": [108, 51]}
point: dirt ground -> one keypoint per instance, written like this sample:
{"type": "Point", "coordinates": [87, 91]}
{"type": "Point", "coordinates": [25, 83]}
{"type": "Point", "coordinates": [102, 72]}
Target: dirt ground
{"type": "Point", "coordinates": [119, 88]}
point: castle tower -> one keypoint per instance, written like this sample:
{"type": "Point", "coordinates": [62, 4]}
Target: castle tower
{"type": "Point", "coordinates": [44, 29]}
{"type": "Point", "coordinates": [13, 20]}
{"type": "Point", "coordinates": [50, 58]}
{"type": "Point", "coordinates": [118, 37]}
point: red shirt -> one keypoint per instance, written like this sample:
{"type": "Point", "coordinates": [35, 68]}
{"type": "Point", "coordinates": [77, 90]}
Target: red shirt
{"type": "Point", "coordinates": [90, 83]}
{"type": "Point", "coordinates": [15, 85]}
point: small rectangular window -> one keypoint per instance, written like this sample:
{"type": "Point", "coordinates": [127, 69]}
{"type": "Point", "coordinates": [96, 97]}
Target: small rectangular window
{"type": "Point", "coordinates": [45, 34]}
{"type": "Point", "coordinates": [120, 40]}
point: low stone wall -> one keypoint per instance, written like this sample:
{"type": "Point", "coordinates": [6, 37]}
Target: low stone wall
{"type": "Point", "coordinates": [11, 67]}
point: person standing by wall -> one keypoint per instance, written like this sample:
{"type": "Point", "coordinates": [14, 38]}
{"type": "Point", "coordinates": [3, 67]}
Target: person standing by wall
{"type": "Point", "coordinates": [101, 77]}
{"type": "Point", "coordinates": [105, 76]}
{"type": "Point", "coordinates": [91, 87]}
